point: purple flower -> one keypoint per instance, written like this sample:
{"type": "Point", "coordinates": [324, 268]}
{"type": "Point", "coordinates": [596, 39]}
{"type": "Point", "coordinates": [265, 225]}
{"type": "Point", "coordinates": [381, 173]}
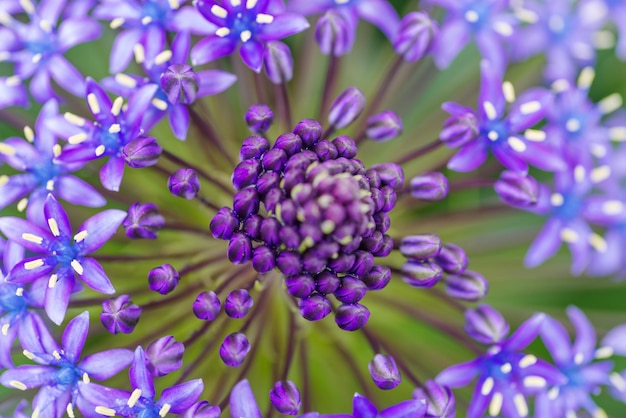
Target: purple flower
{"type": "Point", "coordinates": [242, 401]}
{"type": "Point", "coordinates": [251, 23]}
{"type": "Point", "coordinates": [59, 255]}
{"type": "Point", "coordinates": [13, 92]}
{"type": "Point", "coordinates": [363, 407]}
{"type": "Point", "coordinates": [509, 137]}
{"type": "Point", "coordinates": [61, 371]}
{"type": "Point", "coordinates": [42, 173]}
{"type": "Point", "coordinates": [36, 48]}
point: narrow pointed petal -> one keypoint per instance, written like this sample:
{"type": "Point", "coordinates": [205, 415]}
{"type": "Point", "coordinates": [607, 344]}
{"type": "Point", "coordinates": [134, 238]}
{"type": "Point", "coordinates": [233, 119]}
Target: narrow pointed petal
{"type": "Point", "coordinates": [138, 104]}
{"type": "Point", "coordinates": [111, 174]}
{"type": "Point", "coordinates": [490, 90]}
{"type": "Point", "coordinates": [519, 119]}
{"type": "Point", "coordinates": [491, 49]}
{"type": "Point", "coordinates": [526, 333]}
{"type": "Point", "coordinates": [56, 215]}
{"type": "Point", "coordinates": [122, 51]}
{"type": "Point", "coordinates": [182, 396]}
{"type": "Point", "coordinates": [15, 228]}
{"type": "Point", "coordinates": [363, 407]}
{"type": "Point", "coordinates": [20, 274]}
{"type": "Point", "coordinates": [100, 228]}
{"type": "Point", "coordinates": [469, 157]}
{"type": "Point", "coordinates": [50, 10]}
{"type": "Point", "coordinates": [453, 36]}
{"type": "Point", "coordinates": [381, 14]}
{"type": "Point", "coordinates": [252, 55]}
{"type": "Point", "coordinates": [140, 377]}
{"type": "Point", "coordinates": [75, 335]}
{"type": "Point", "coordinates": [30, 376]}
{"type": "Point", "coordinates": [104, 365]}
{"type": "Point", "coordinates": [546, 244]}
{"type": "Point", "coordinates": [242, 401]}
{"type": "Point", "coordinates": [40, 86]}
{"type": "Point", "coordinates": [406, 409]}
{"type": "Point", "coordinates": [67, 76]}
{"type": "Point", "coordinates": [214, 82]}
{"type": "Point", "coordinates": [95, 277]}
{"type": "Point", "coordinates": [37, 339]}
{"type": "Point", "coordinates": [585, 342]}
{"type": "Point", "coordinates": [58, 297]}
{"type": "Point", "coordinates": [212, 48]}
{"type": "Point", "coordinates": [556, 340]}
{"type": "Point", "coordinates": [79, 192]}
{"type": "Point", "coordinates": [459, 374]}
{"type": "Point", "coordinates": [616, 339]}
{"type": "Point", "coordinates": [76, 31]}
{"type": "Point", "coordinates": [284, 25]}
{"type": "Point", "coordinates": [179, 121]}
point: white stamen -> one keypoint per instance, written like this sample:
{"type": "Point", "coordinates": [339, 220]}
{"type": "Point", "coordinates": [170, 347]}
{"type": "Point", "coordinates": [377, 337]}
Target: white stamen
{"type": "Point", "coordinates": [100, 150]}
{"type": "Point", "coordinates": [134, 397]}
{"type": "Point", "coordinates": [598, 243]}
{"type": "Point", "coordinates": [487, 386]}
{"type": "Point", "coordinates": [471, 16]}
{"type": "Point", "coordinates": [50, 185]}
{"type": "Point", "coordinates": [530, 107]}
{"type": "Point", "coordinates": [78, 268]}
{"type": "Point", "coordinates": [92, 101]}
{"type": "Point", "coordinates": [221, 32]}
{"type": "Point", "coordinates": [556, 23]}
{"type": "Point", "coordinates": [520, 405]}
{"type": "Point", "coordinates": [4, 179]}
{"type": "Point", "coordinates": [535, 135]}
{"type": "Point", "coordinates": [495, 406]}
{"type": "Point", "coordinates": [164, 410]}
{"type": "Point", "coordinates": [617, 133]}
{"type": "Point", "coordinates": [579, 173]}
{"type": "Point", "coordinates": [526, 16]}
{"type": "Point", "coordinates": [600, 413]}
{"type": "Point", "coordinates": [503, 28]}
{"type": "Point", "coordinates": [612, 207]}
{"type": "Point", "coordinates": [569, 235]}
{"type": "Point", "coordinates": [603, 39]}
{"type": "Point", "coordinates": [579, 358]}
{"type": "Point", "coordinates": [5, 18]}
{"type": "Point", "coordinates": [560, 85]}
{"type": "Point", "coordinates": [13, 80]}
{"type": "Point", "coordinates": [86, 378]}
{"type": "Point", "coordinates": [56, 355]}
{"type": "Point", "coordinates": [490, 110]}
{"type": "Point", "coordinates": [553, 393]}
{"type": "Point", "coordinates": [174, 4]}
{"type": "Point", "coordinates": [36, 58]}
{"type": "Point", "coordinates": [264, 18]}
{"type": "Point", "coordinates": [21, 205]}
{"type": "Point", "coordinates": [74, 119]}
{"type": "Point", "coordinates": [509, 91]}
{"type": "Point", "coordinates": [54, 227]}
{"type": "Point", "coordinates": [572, 125]}
{"type": "Point", "coordinates": [534, 382]}
{"type": "Point", "coordinates": [117, 22]}
{"type": "Point", "coordinates": [6, 149]}
{"type": "Point", "coordinates": [77, 138]}
{"type": "Point", "coordinates": [159, 104]}
{"type": "Point", "coordinates": [18, 385]}
{"type": "Point", "coordinates": [618, 381]}
{"type": "Point", "coordinates": [598, 150]}
{"type": "Point", "coordinates": [5, 329]}
{"type": "Point", "coordinates": [163, 57]}
{"type": "Point", "coordinates": [70, 410]}
{"type": "Point", "coordinates": [80, 236]}
{"type": "Point", "coordinates": [32, 238]}
{"type": "Point", "coordinates": [585, 78]}
{"type": "Point", "coordinates": [506, 368]}
{"type": "Point", "coordinates": [117, 106]}
{"type": "Point", "coordinates": [105, 411]}
{"type": "Point", "coordinates": [140, 53]}
{"type": "Point", "coordinates": [146, 20]}
{"type": "Point", "coordinates": [56, 150]}
{"type": "Point", "coordinates": [245, 36]}
{"type": "Point", "coordinates": [115, 128]}
{"type": "Point", "coordinates": [35, 413]}
{"type": "Point", "coordinates": [250, 4]}
{"type": "Point", "coordinates": [45, 26]}
{"type": "Point", "coordinates": [125, 80]}
{"type": "Point", "coordinates": [493, 135]}
{"type": "Point", "coordinates": [29, 134]}
{"type": "Point", "coordinates": [610, 103]}
{"type": "Point", "coordinates": [4, 55]}
{"type": "Point", "coordinates": [516, 143]}
{"type": "Point", "coordinates": [600, 174]}
{"type": "Point", "coordinates": [19, 291]}
{"type": "Point", "coordinates": [31, 265]}
{"type": "Point", "coordinates": [235, 3]}
{"type": "Point", "coordinates": [527, 361]}
{"type": "Point", "coordinates": [27, 5]}
{"type": "Point", "coordinates": [219, 11]}
{"type": "Point", "coordinates": [28, 354]}
{"type": "Point", "coordinates": [52, 281]}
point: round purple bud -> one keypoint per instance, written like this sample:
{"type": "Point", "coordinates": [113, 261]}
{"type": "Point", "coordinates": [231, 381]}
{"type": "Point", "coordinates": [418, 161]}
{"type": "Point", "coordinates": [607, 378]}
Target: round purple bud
{"type": "Point", "coordinates": [120, 314]}
{"type": "Point", "coordinates": [164, 356]}
{"type": "Point", "coordinates": [429, 186]}
{"type": "Point", "coordinates": [327, 282]}
{"type": "Point", "coordinates": [234, 349]}
{"type": "Point", "coordinates": [439, 400]}
{"type": "Point", "coordinates": [384, 372]}
{"type": "Point", "coordinates": [459, 129]}
{"type": "Point", "coordinates": [346, 108]}
{"type": "Point", "coordinates": [351, 290]}
{"type": "Point", "coordinates": [300, 286]}
{"type": "Point", "coordinates": [390, 174]}
{"type": "Point", "coordinates": [224, 223]}
{"type": "Point", "coordinates": [351, 317]}
{"type": "Point", "coordinates": [415, 36]}
{"type": "Point", "coordinates": [289, 263]}
{"type": "Point", "coordinates": [274, 160]}
{"type": "Point", "coordinates": [163, 279]}
{"type": "Point", "coordinates": [253, 147]}
{"type": "Point", "coordinates": [345, 146]}
{"type": "Point", "coordinates": [143, 221]}
{"type": "Point", "coordinates": [278, 62]}
{"type": "Point", "coordinates": [421, 274]}
{"type": "Point", "coordinates": [184, 183]}
{"type": "Point", "coordinates": [309, 130]}
{"type": "Point", "coordinates": [263, 259]}
{"type": "Point", "coordinates": [239, 248]}
{"type": "Point", "coordinates": [238, 303]}
{"type": "Point", "coordinates": [420, 247]}
{"type": "Point", "coordinates": [206, 306]}
{"type": "Point", "coordinates": [142, 152]}
{"type": "Point", "coordinates": [285, 398]}
{"type": "Point", "coordinates": [486, 325]}
{"type": "Point", "coordinates": [180, 83]}
{"type": "Point", "coordinates": [377, 278]}
{"type": "Point", "coordinates": [452, 259]}
{"type": "Point", "coordinates": [202, 409]}
{"type": "Point", "coordinates": [383, 126]}
{"type": "Point", "coordinates": [314, 308]}
{"type": "Point", "coordinates": [246, 173]}
{"type": "Point", "coordinates": [334, 33]}
{"type": "Point", "coordinates": [288, 142]}
{"type": "Point", "coordinates": [246, 202]}
{"type": "Point", "coordinates": [469, 286]}
{"type": "Point", "coordinates": [259, 118]}
{"type": "Point", "coordinates": [517, 189]}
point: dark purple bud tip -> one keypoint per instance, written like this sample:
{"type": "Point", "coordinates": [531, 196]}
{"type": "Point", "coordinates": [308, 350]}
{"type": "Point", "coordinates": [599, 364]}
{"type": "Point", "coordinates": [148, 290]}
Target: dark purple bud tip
{"type": "Point", "coordinates": [253, 147]}
{"type": "Point", "coordinates": [351, 290]}
{"type": "Point", "coordinates": [163, 279]}
{"type": "Point", "coordinates": [384, 372]}
{"type": "Point", "coordinates": [377, 278]}
{"type": "Point", "coordinates": [184, 183]}
{"type": "Point", "coordinates": [234, 349]}
{"type": "Point", "coordinates": [164, 356]}
{"type": "Point", "coordinates": [239, 248]}
{"type": "Point", "coordinates": [333, 33]}
{"type": "Point", "coordinates": [429, 186]}
{"type": "Point", "coordinates": [390, 175]}
{"type": "Point", "coordinates": [469, 286]}
{"type": "Point", "coordinates": [263, 259]}
{"type": "Point", "coordinates": [180, 83]}
{"type": "Point", "coordinates": [142, 152]}
{"type": "Point", "coordinates": [439, 400]}
{"type": "Point", "coordinates": [238, 303]}
{"type": "Point", "coordinates": [351, 317]}
{"type": "Point", "coordinates": [246, 173]}
{"type": "Point", "coordinates": [285, 398]}
{"type": "Point", "coordinates": [517, 189]}
{"type": "Point", "coordinates": [278, 62]}
{"type": "Point", "coordinates": [224, 224]}
{"type": "Point", "coordinates": [300, 286]}
{"type": "Point", "coordinates": [346, 108]}
{"type": "Point", "coordinates": [202, 409]}
{"type": "Point", "coordinates": [486, 325]}
{"type": "Point", "coordinates": [314, 308]}
{"type": "Point", "coordinates": [384, 126]}
{"type": "Point", "coordinates": [415, 36]}
{"type": "Point", "coordinates": [452, 259]}
{"type": "Point", "coordinates": [143, 221]}
{"type": "Point", "coordinates": [421, 274]}
{"type": "Point", "coordinates": [259, 118]}
{"type": "Point", "coordinates": [459, 129]}
{"type": "Point", "coordinates": [120, 314]}
{"type": "Point", "coordinates": [420, 247]}
{"type": "Point", "coordinates": [206, 306]}
{"type": "Point", "coordinates": [345, 146]}
{"type": "Point", "coordinates": [309, 130]}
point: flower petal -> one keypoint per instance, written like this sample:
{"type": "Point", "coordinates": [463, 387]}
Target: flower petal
{"type": "Point", "coordinates": [585, 342]}
{"type": "Point", "coordinates": [381, 14]}
{"type": "Point", "coordinates": [469, 156]}
{"type": "Point", "coordinates": [111, 174]}
{"type": "Point", "coordinates": [453, 36]}
{"type": "Point", "coordinates": [546, 244]}
{"type": "Point", "coordinates": [140, 377]}
{"type": "Point", "coordinates": [283, 25]}
{"type": "Point", "coordinates": [408, 409]}
{"type": "Point", "coordinates": [214, 82]}
{"type": "Point", "coordinates": [66, 75]}
{"type": "Point", "coordinates": [182, 396]}
{"type": "Point", "coordinates": [58, 297]}
{"type": "Point", "coordinates": [212, 48]}
{"type": "Point", "coordinates": [94, 276]}
{"type": "Point", "coordinates": [251, 53]}
{"type": "Point", "coordinates": [77, 31]}
{"type": "Point", "coordinates": [525, 333]}
{"type": "Point", "coordinates": [122, 51]}
{"type": "Point", "coordinates": [56, 217]}
{"type": "Point", "coordinates": [179, 121]}
{"type": "Point", "coordinates": [104, 365]}
{"type": "Point", "coordinates": [556, 340]}
{"type": "Point", "coordinates": [99, 229]}
{"type": "Point", "coordinates": [242, 401]}
{"type": "Point", "coordinates": [79, 192]}
{"type": "Point", "coordinates": [75, 335]}
{"type": "Point", "coordinates": [459, 374]}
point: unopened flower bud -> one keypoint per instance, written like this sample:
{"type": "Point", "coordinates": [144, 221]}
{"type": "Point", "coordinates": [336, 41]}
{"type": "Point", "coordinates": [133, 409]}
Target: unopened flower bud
{"type": "Point", "coordinates": [239, 248]}
{"type": "Point", "coordinates": [259, 118]}
{"type": "Point", "coordinates": [346, 108]}
{"type": "Point", "coordinates": [429, 186]}
{"type": "Point", "coordinates": [180, 83]}
{"type": "Point", "coordinates": [184, 183]}
{"type": "Point", "coordinates": [377, 278]}
{"type": "Point", "coordinates": [420, 247]}
{"type": "Point", "coordinates": [246, 173]}
{"type": "Point", "coordinates": [163, 279]}
{"type": "Point", "coordinates": [469, 286]}
{"type": "Point", "coordinates": [285, 398]}
{"type": "Point", "coordinates": [202, 409]}
{"type": "Point", "coordinates": [238, 303]}
{"type": "Point", "coordinates": [421, 274]}
{"type": "Point", "coordinates": [314, 308]}
{"type": "Point", "coordinates": [517, 189]}
{"type": "Point", "coordinates": [143, 221]}
{"type": "Point", "coordinates": [206, 306]}
{"type": "Point", "coordinates": [253, 147]}
{"type": "Point", "coordinates": [390, 174]}
{"type": "Point", "coordinates": [234, 349]}
{"type": "Point", "coordinates": [351, 290]}
{"type": "Point", "coordinates": [383, 126]}
{"type": "Point", "coordinates": [485, 324]}
{"type": "Point", "coordinates": [224, 223]}
{"type": "Point", "coordinates": [300, 286]}
{"type": "Point", "coordinates": [309, 130]}
{"type": "Point", "coordinates": [142, 152]}
{"type": "Point", "coordinates": [263, 259]}
{"type": "Point", "coordinates": [452, 259]}
{"type": "Point", "coordinates": [164, 356]}
{"type": "Point", "coordinates": [439, 400]}
{"type": "Point", "coordinates": [415, 36]}
{"type": "Point", "coordinates": [459, 129]}
{"type": "Point", "coordinates": [384, 372]}
{"type": "Point", "coordinates": [278, 62]}
{"type": "Point", "coordinates": [120, 314]}
{"type": "Point", "coordinates": [334, 33]}
{"type": "Point", "coordinates": [351, 317]}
